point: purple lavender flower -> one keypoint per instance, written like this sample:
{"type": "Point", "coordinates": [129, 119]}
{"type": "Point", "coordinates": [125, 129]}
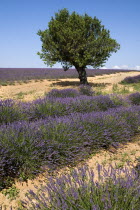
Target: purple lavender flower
{"type": "Point", "coordinates": [24, 74]}
{"type": "Point", "coordinates": [134, 79]}
{"type": "Point", "coordinates": [78, 190]}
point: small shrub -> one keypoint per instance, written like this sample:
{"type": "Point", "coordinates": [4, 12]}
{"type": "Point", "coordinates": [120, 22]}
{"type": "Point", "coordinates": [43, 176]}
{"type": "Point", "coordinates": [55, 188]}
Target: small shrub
{"type": "Point", "coordinates": [134, 98]}
{"type": "Point", "coordinates": [115, 88]}
{"type": "Point", "coordinates": [118, 100]}
{"type": "Point", "coordinates": [11, 192]}
{"type": "Point", "coordinates": [129, 80]}
{"type": "Point", "coordinates": [9, 112]}
{"type": "Point", "coordinates": [63, 93]}
{"type": "Point", "coordinates": [120, 90]}
{"type": "Point", "coordinates": [46, 108]}
{"type": "Point", "coordinates": [86, 90]}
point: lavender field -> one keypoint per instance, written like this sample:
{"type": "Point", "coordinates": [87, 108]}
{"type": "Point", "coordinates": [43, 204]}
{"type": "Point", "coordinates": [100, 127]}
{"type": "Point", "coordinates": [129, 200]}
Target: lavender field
{"type": "Point", "coordinates": [62, 129]}
{"type": "Point", "coordinates": [17, 74]}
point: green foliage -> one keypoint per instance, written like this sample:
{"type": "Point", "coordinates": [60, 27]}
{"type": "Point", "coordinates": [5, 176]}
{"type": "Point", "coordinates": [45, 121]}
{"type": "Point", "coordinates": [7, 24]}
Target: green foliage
{"type": "Point", "coordinates": [134, 98]}
{"type": "Point", "coordinates": [135, 86]}
{"type": "Point", "coordinates": [76, 40]}
{"type": "Point", "coordinates": [3, 83]}
{"type": "Point", "coordinates": [10, 112]}
{"type": "Point", "coordinates": [21, 94]}
{"type": "Point", "coordinates": [120, 90]}
{"type": "Point", "coordinates": [50, 109]}
{"type": "Point", "coordinates": [7, 182]}
{"type": "Point", "coordinates": [118, 100]}
{"type": "Point", "coordinates": [11, 192]}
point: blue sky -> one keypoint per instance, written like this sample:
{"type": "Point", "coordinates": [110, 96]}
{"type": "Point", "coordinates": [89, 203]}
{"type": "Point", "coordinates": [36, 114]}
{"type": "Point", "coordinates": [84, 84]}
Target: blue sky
{"type": "Point", "coordinates": [21, 19]}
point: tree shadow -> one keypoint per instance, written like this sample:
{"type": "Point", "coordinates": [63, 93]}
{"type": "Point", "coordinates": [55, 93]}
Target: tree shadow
{"type": "Point", "coordinates": [99, 84]}
{"type": "Point", "coordinates": [77, 83]}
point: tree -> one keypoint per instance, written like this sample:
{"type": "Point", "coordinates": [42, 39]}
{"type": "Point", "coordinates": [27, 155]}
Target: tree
{"type": "Point", "coordinates": [76, 40]}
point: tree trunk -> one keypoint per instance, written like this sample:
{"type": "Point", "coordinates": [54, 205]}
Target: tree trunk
{"type": "Point", "coordinates": [82, 75]}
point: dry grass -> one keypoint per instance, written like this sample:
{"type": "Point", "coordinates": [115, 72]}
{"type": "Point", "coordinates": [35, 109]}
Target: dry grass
{"type": "Point", "coordinates": [34, 89]}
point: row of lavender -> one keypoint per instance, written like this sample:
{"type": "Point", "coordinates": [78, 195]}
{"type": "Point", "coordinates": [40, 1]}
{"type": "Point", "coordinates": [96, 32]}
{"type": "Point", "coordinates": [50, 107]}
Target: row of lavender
{"type": "Point", "coordinates": [80, 190]}
{"type": "Point", "coordinates": [16, 74]}
{"type": "Point", "coordinates": [61, 103]}
{"type": "Point", "coordinates": [25, 146]}
{"type": "Point", "coordinates": [64, 127]}
{"type": "Point", "coordinates": [129, 80]}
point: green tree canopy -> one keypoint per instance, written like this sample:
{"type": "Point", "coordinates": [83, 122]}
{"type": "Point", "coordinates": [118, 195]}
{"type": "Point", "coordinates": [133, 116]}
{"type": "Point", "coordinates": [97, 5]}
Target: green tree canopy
{"type": "Point", "coordinates": [76, 40]}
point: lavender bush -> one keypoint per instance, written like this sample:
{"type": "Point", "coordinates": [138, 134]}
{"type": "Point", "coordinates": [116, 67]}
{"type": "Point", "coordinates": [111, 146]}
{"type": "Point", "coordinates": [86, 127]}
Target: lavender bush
{"type": "Point", "coordinates": [69, 92]}
{"type": "Point", "coordinates": [129, 80]}
{"type": "Point", "coordinates": [79, 190]}
{"type": "Point", "coordinates": [44, 108]}
{"type": "Point", "coordinates": [86, 103]}
{"type": "Point", "coordinates": [10, 112]}
{"type": "Point", "coordinates": [134, 98]}
{"type": "Point", "coordinates": [118, 100]}
{"type": "Point", "coordinates": [86, 90]}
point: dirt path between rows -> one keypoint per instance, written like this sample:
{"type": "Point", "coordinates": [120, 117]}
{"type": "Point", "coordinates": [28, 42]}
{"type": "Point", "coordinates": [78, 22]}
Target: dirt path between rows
{"type": "Point", "coordinates": [33, 90]}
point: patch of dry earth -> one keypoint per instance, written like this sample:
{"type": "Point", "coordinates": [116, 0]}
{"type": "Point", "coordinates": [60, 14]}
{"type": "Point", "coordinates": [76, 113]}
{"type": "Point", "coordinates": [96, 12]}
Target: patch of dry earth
{"type": "Point", "coordinates": [33, 90]}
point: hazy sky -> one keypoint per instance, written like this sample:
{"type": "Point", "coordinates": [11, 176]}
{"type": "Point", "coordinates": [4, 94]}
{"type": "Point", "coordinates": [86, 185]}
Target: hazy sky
{"type": "Point", "coordinates": [21, 19]}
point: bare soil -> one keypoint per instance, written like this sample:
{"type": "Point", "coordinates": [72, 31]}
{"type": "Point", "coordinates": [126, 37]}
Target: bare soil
{"type": "Point", "coordinates": [33, 90]}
